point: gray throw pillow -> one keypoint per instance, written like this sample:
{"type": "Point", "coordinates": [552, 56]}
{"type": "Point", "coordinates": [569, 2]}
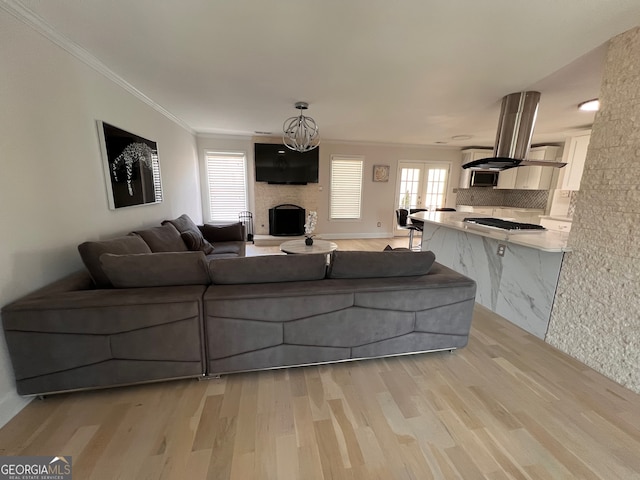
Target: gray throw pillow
{"type": "Point", "coordinates": [222, 233]}
{"type": "Point", "coordinates": [90, 253]}
{"type": "Point", "coordinates": [163, 239]}
{"type": "Point", "coordinates": [196, 242]}
{"type": "Point", "coordinates": [156, 269]}
{"type": "Point", "coordinates": [380, 264]}
{"type": "Point", "coordinates": [268, 269]}
{"type": "Point", "coordinates": [397, 249]}
{"type": "Point", "coordinates": [183, 224]}
{"type": "Point", "coordinates": [190, 234]}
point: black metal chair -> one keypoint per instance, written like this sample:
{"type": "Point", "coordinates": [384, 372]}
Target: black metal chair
{"type": "Point", "coordinates": [402, 219]}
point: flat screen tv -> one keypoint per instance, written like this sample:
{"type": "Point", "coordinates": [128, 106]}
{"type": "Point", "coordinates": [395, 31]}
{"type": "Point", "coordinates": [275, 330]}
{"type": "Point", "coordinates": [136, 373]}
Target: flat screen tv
{"type": "Point", "coordinates": [279, 165]}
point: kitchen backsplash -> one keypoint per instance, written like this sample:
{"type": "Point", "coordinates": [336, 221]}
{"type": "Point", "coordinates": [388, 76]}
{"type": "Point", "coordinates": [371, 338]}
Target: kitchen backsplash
{"type": "Point", "coordinates": [479, 197]}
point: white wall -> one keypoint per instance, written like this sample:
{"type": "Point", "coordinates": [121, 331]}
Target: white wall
{"type": "Point", "coordinates": [52, 187]}
{"type": "Point", "coordinates": [378, 197]}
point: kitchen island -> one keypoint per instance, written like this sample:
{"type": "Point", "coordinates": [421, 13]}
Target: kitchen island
{"type": "Point", "coordinates": [517, 273]}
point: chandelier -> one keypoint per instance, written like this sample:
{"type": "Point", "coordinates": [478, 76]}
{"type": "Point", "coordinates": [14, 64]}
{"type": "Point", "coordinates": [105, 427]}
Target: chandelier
{"type": "Point", "coordinates": [300, 133]}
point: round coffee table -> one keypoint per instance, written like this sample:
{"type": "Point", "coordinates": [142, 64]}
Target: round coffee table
{"type": "Point", "coordinates": [298, 246]}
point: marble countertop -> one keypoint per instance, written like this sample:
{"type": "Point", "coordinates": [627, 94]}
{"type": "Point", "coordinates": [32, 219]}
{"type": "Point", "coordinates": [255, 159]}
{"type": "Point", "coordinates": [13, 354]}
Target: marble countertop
{"type": "Point", "coordinates": [560, 218]}
{"type": "Point", "coordinates": [547, 241]}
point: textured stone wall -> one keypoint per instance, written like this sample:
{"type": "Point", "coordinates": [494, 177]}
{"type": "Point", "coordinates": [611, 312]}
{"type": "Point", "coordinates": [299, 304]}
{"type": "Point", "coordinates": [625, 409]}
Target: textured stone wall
{"type": "Point", "coordinates": [596, 315]}
{"type": "Point", "coordinates": [268, 196]}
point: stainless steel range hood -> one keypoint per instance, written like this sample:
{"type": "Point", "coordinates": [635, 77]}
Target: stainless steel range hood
{"type": "Point", "coordinates": [513, 139]}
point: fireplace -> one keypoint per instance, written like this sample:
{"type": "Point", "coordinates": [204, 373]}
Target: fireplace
{"type": "Point", "coordinates": [286, 220]}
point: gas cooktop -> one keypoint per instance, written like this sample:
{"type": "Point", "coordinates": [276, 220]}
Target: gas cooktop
{"type": "Point", "coordinates": [505, 224]}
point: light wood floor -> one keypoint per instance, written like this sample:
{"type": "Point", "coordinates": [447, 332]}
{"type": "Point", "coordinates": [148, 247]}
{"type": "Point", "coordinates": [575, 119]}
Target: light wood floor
{"type": "Point", "coordinates": [508, 406]}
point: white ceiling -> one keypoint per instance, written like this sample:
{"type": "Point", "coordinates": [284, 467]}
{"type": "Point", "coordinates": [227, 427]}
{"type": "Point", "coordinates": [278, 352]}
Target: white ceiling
{"type": "Point", "coordinates": [404, 71]}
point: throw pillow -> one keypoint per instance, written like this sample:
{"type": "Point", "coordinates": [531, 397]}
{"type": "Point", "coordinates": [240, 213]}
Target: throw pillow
{"type": "Point", "coordinates": [163, 239]}
{"type": "Point", "coordinates": [90, 253]}
{"type": "Point", "coordinates": [268, 269]}
{"type": "Point", "coordinates": [195, 241]}
{"type": "Point", "coordinates": [183, 224]}
{"type": "Point", "coordinates": [397, 249]}
{"type": "Point", "coordinates": [223, 233]}
{"type": "Point", "coordinates": [380, 264]}
{"type": "Point", "coordinates": [190, 234]}
{"type": "Point", "coordinates": [156, 269]}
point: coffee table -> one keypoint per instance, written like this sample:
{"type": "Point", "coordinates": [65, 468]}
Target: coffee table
{"type": "Point", "coordinates": [298, 246]}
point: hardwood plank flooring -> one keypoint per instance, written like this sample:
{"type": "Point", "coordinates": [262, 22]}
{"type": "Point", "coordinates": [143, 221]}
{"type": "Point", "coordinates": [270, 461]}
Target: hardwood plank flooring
{"type": "Point", "coordinates": [508, 406]}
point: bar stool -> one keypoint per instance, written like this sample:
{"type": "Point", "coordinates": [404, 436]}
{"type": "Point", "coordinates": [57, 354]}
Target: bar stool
{"type": "Point", "coordinates": [402, 219]}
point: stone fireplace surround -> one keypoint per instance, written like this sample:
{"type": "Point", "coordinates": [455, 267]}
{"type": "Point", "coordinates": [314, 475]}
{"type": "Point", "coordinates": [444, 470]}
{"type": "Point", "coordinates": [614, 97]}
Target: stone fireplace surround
{"type": "Point", "coordinates": [268, 196]}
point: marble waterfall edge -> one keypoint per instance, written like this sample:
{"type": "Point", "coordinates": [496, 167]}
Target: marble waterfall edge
{"type": "Point", "coordinates": [519, 286]}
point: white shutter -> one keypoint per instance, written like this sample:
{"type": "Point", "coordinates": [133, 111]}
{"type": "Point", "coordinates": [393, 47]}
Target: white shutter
{"type": "Point", "coordinates": [157, 183]}
{"type": "Point", "coordinates": [346, 187]}
{"type": "Point", "coordinates": [227, 185]}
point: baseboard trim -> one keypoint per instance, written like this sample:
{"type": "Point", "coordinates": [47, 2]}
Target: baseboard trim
{"type": "Point", "coordinates": [10, 405]}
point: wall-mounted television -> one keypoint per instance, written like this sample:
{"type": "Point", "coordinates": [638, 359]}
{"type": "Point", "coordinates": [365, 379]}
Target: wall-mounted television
{"type": "Point", "coordinates": [279, 165]}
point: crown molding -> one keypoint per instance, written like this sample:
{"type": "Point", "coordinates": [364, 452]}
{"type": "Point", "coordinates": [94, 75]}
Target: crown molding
{"type": "Point", "coordinates": [31, 19]}
{"type": "Point", "coordinates": [224, 136]}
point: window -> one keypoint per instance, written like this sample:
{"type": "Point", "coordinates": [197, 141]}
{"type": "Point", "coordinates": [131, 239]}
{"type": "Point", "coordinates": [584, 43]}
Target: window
{"type": "Point", "coordinates": [226, 174]}
{"type": "Point", "coordinates": [436, 183]}
{"type": "Point", "coordinates": [157, 184]}
{"type": "Point", "coordinates": [346, 187]}
{"type": "Point", "coordinates": [409, 187]}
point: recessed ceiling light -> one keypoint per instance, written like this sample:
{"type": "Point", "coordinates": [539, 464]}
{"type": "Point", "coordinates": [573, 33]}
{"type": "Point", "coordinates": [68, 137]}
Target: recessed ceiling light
{"type": "Point", "coordinates": [461, 137]}
{"type": "Point", "coordinates": [590, 105]}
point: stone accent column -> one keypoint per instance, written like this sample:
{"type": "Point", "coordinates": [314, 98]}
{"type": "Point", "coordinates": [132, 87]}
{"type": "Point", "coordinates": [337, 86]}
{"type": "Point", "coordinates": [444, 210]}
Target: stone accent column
{"type": "Point", "coordinates": [596, 314]}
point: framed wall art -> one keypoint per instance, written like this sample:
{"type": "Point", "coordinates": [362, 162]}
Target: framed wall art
{"type": "Point", "coordinates": [131, 167]}
{"type": "Point", "coordinates": [381, 173]}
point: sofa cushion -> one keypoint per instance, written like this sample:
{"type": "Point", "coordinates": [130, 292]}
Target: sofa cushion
{"type": "Point", "coordinates": [267, 269]}
{"type": "Point", "coordinates": [196, 242]}
{"type": "Point", "coordinates": [90, 253]}
{"type": "Point", "coordinates": [156, 269]}
{"type": "Point", "coordinates": [163, 239]}
{"type": "Point", "coordinates": [380, 264]}
{"type": "Point", "coordinates": [222, 233]}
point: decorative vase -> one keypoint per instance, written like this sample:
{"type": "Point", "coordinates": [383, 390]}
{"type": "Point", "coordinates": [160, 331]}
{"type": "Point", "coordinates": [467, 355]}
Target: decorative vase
{"type": "Point", "coordinates": [308, 241]}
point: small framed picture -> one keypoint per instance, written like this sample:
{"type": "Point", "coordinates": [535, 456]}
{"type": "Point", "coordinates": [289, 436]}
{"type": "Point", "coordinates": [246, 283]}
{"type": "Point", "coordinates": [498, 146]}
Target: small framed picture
{"type": "Point", "coordinates": [381, 173]}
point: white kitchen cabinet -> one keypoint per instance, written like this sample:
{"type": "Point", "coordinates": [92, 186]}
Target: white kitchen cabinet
{"type": "Point", "coordinates": [575, 153]}
{"type": "Point", "coordinates": [522, 215]}
{"type": "Point", "coordinates": [507, 178]}
{"type": "Point", "coordinates": [483, 210]}
{"type": "Point", "coordinates": [530, 178]}
{"type": "Point", "coordinates": [469, 155]}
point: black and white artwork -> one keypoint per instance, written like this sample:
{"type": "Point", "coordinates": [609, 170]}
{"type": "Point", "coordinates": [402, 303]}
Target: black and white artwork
{"type": "Point", "coordinates": [131, 167]}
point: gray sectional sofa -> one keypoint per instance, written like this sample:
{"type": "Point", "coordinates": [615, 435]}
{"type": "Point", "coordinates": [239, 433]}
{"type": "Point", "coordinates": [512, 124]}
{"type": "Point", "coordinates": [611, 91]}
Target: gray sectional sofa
{"type": "Point", "coordinates": [165, 315]}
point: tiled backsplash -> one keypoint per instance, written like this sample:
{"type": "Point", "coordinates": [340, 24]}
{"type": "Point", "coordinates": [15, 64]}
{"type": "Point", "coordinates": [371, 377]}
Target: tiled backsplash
{"type": "Point", "coordinates": [503, 198]}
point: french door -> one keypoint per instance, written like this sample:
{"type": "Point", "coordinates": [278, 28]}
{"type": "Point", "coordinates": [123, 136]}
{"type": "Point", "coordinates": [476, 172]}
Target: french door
{"type": "Point", "coordinates": [421, 185]}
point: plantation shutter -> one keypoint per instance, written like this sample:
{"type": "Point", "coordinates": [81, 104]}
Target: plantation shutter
{"type": "Point", "coordinates": [346, 187]}
{"type": "Point", "coordinates": [227, 185]}
{"type": "Point", "coordinates": [157, 183]}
